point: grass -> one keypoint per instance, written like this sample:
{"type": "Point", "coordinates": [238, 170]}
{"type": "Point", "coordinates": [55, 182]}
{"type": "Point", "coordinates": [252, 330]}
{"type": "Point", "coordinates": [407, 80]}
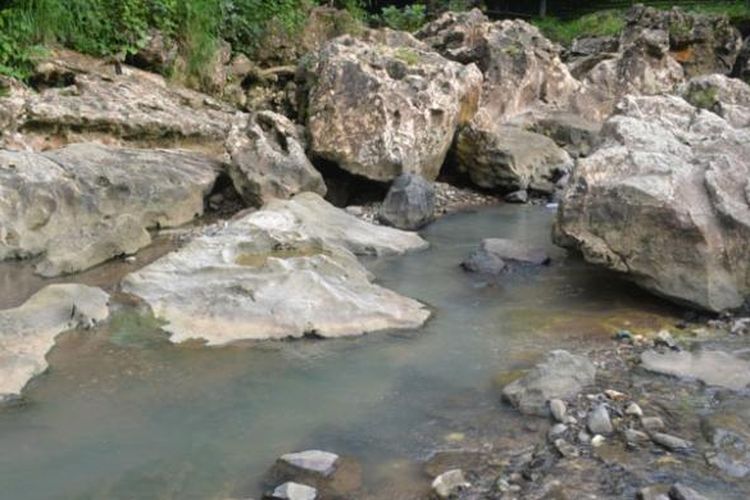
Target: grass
{"type": "Point", "coordinates": [602, 23]}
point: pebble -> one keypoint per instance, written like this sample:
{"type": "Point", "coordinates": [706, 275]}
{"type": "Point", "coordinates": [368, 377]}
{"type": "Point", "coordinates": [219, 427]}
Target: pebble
{"type": "Point", "coordinates": [653, 493]}
{"type": "Point", "coordinates": [634, 436]}
{"type": "Point", "coordinates": [557, 430]}
{"type": "Point", "coordinates": [598, 420]}
{"type": "Point", "coordinates": [652, 424]}
{"type": "Point", "coordinates": [624, 336]}
{"type": "Point", "coordinates": [449, 483]}
{"type": "Point", "coordinates": [558, 409]}
{"type": "Point", "coordinates": [670, 442]}
{"type": "Point", "coordinates": [584, 437]}
{"type": "Point", "coordinates": [615, 395]}
{"type": "Point", "coordinates": [634, 409]}
{"type": "Point", "coordinates": [565, 449]}
{"type": "Point", "coordinates": [681, 492]}
{"type": "Point", "coordinates": [665, 338]}
{"type": "Point", "coordinates": [130, 259]}
{"type": "Point", "coordinates": [597, 440]}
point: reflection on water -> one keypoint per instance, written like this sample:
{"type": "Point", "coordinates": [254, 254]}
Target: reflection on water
{"type": "Point", "coordinates": [124, 414]}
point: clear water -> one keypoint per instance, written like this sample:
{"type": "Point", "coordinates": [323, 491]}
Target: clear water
{"type": "Point", "coordinates": [122, 413]}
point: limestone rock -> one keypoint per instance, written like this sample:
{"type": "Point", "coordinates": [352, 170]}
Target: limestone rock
{"type": "Point", "coordinates": [507, 157]}
{"type": "Point", "coordinates": [268, 160]}
{"type": "Point", "coordinates": [449, 483]}
{"type": "Point", "coordinates": [727, 97]}
{"type": "Point", "coordinates": [494, 254]}
{"type": "Point", "coordinates": [294, 491]}
{"type": "Point", "coordinates": [664, 201]}
{"type": "Point", "coordinates": [409, 204]}
{"type": "Point", "coordinates": [312, 461]}
{"type": "Point", "coordinates": [382, 108]}
{"type": "Point", "coordinates": [285, 271]}
{"type": "Point", "coordinates": [28, 332]}
{"type": "Point", "coordinates": [157, 54]}
{"type": "Point", "coordinates": [84, 204]}
{"type": "Point", "coordinates": [560, 376]}
{"type": "Point", "coordinates": [521, 67]}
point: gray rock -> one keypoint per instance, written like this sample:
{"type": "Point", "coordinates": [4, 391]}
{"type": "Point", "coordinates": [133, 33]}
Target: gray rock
{"type": "Point", "coordinates": [727, 97]}
{"type": "Point", "coordinates": [294, 491]}
{"type": "Point", "coordinates": [558, 409]}
{"type": "Point", "coordinates": [557, 430]}
{"type": "Point", "coordinates": [653, 493]}
{"type": "Point", "coordinates": [727, 431]}
{"type": "Point", "coordinates": [79, 206]}
{"type": "Point", "coordinates": [494, 255]}
{"type": "Point", "coordinates": [28, 332]}
{"type": "Point", "coordinates": [572, 132]}
{"type": "Point", "coordinates": [507, 157]}
{"type": "Point", "coordinates": [715, 368]}
{"type": "Point", "coordinates": [679, 491]}
{"type": "Point", "coordinates": [268, 160]}
{"type": "Point", "coordinates": [404, 101]}
{"type": "Point", "coordinates": [598, 421]}
{"type": "Point", "coordinates": [635, 437]}
{"type": "Point", "coordinates": [670, 442]}
{"type": "Point", "coordinates": [652, 424]}
{"type": "Point", "coordinates": [409, 204]}
{"type": "Point", "coordinates": [665, 338]}
{"type": "Point", "coordinates": [656, 168]}
{"type": "Point", "coordinates": [634, 410]}
{"type": "Point", "coordinates": [520, 196]}
{"type": "Point", "coordinates": [285, 271]}
{"type": "Point", "coordinates": [449, 483]}
{"type": "Point", "coordinates": [312, 461]}
{"type": "Point", "coordinates": [592, 45]}
{"type": "Point", "coordinates": [157, 53]}
{"type": "Point", "coordinates": [565, 449]}
{"type": "Point", "coordinates": [561, 375]}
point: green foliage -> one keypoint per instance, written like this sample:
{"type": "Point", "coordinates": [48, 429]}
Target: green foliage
{"type": "Point", "coordinates": [16, 49]}
{"type": "Point", "coordinates": [410, 18]}
{"type": "Point", "coordinates": [704, 98]}
{"type": "Point", "coordinates": [407, 56]}
{"type": "Point", "coordinates": [603, 23]}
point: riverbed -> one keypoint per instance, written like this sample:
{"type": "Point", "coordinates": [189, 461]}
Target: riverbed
{"type": "Point", "coordinates": [123, 413]}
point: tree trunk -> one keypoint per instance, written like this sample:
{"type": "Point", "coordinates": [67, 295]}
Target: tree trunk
{"type": "Point", "coordinates": [543, 8]}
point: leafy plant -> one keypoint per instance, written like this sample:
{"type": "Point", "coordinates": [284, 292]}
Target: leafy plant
{"type": "Point", "coordinates": [410, 18]}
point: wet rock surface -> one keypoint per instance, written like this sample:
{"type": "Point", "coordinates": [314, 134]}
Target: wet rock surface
{"type": "Point", "coordinates": [495, 255]}
{"type": "Point", "coordinates": [714, 368]}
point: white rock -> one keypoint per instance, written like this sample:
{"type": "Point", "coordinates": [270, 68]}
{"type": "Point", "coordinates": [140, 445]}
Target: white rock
{"type": "Point", "coordinates": [449, 483]}
{"type": "Point", "coordinates": [295, 491]}
{"type": "Point", "coordinates": [317, 461]}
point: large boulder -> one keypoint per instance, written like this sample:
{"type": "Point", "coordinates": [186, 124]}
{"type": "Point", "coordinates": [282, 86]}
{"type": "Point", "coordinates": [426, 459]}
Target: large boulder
{"type": "Point", "coordinates": [507, 157]}
{"type": "Point", "coordinates": [701, 43]}
{"type": "Point", "coordinates": [522, 68]}
{"type": "Point", "coordinates": [387, 106]}
{"type": "Point", "coordinates": [81, 205]}
{"type": "Point", "coordinates": [283, 272]}
{"type": "Point", "coordinates": [409, 204]}
{"type": "Point", "coordinates": [85, 100]}
{"type": "Point", "coordinates": [664, 200]}
{"type": "Point", "coordinates": [28, 332]}
{"type": "Point", "coordinates": [561, 375]}
{"type": "Point", "coordinates": [268, 160]}
{"type": "Point", "coordinates": [727, 97]}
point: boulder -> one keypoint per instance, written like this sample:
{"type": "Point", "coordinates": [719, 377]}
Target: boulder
{"type": "Point", "coordinates": [522, 69]}
{"type": "Point", "coordinates": [28, 332]}
{"type": "Point", "coordinates": [94, 103]}
{"type": "Point", "coordinates": [561, 375]}
{"type": "Point", "coordinates": [727, 97]}
{"type": "Point", "coordinates": [594, 45]}
{"type": "Point", "coordinates": [388, 106]}
{"type": "Point", "coordinates": [574, 133]}
{"type": "Point", "coordinates": [158, 53]}
{"type": "Point", "coordinates": [494, 255]}
{"type": "Point", "coordinates": [664, 201]}
{"type": "Point", "coordinates": [84, 204]}
{"type": "Point", "coordinates": [268, 160]}
{"type": "Point", "coordinates": [702, 44]}
{"type": "Point", "coordinates": [409, 204]}
{"type": "Point", "coordinates": [506, 157]}
{"type": "Point", "coordinates": [283, 272]}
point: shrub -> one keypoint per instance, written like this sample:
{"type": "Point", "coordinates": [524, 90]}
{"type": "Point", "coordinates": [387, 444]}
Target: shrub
{"type": "Point", "coordinates": [410, 18]}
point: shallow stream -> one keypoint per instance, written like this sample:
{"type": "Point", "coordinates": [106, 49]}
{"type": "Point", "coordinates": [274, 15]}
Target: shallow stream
{"type": "Point", "coordinates": [122, 413]}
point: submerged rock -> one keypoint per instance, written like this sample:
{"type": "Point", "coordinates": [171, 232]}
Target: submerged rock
{"type": "Point", "coordinates": [449, 483]}
{"type": "Point", "coordinates": [410, 203]}
{"type": "Point", "coordinates": [715, 368]}
{"type": "Point", "coordinates": [268, 160]}
{"type": "Point", "coordinates": [285, 271]}
{"type": "Point", "coordinates": [84, 204]}
{"type": "Point", "coordinates": [664, 201]}
{"type": "Point", "coordinates": [28, 332]}
{"type": "Point", "coordinates": [329, 475]}
{"type": "Point", "coordinates": [385, 107]}
{"type": "Point", "coordinates": [312, 461]}
{"type": "Point", "coordinates": [494, 255]}
{"type": "Point", "coordinates": [294, 491]}
{"type": "Point", "coordinates": [560, 376]}
{"type": "Point", "coordinates": [728, 432]}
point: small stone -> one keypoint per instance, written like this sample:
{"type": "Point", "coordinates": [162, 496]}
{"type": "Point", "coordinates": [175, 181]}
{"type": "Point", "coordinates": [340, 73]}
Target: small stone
{"type": "Point", "coordinates": [633, 436]}
{"type": "Point", "coordinates": [597, 440]}
{"type": "Point", "coordinates": [653, 424]}
{"type": "Point", "coordinates": [615, 395]}
{"type": "Point", "coordinates": [455, 437]}
{"type": "Point", "coordinates": [570, 420]}
{"type": "Point", "coordinates": [520, 196]}
{"type": "Point", "coordinates": [634, 410]}
{"type": "Point", "coordinates": [315, 461]}
{"type": "Point", "coordinates": [599, 422]}
{"type": "Point", "coordinates": [665, 338]}
{"type": "Point", "coordinates": [670, 442]}
{"type": "Point", "coordinates": [653, 493]}
{"type": "Point", "coordinates": [294, 491]}
{"type": "Point", "coordinates": [130, 259]}
{"type": "Point", "coordinates": [557, 430]}
{"type": "Point", "coordinates": [624, 336]}
{"type": "Point", "coordinates": [449, 483]}
{"type": "Point", "coordinates": [558, 409]}
{"type": "Point", "coordinates": [681, 492]}
{"type": "Point", "coordinates": [502, 485]}
{"type": "Point", "coordinates": [565, 449]}
{"type": "Point", "coordinates": [584, 437]}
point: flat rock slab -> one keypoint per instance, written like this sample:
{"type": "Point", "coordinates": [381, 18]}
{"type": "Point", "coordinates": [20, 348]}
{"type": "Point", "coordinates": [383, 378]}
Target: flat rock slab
{"type": "Point", "coordinates": [294, 491]}
{"type": "Point", "coordinates": [286, 271]}
{"type": "Point", "coordinates": [315, 461]}
{"type": "Point", "coordinates": [710, 367]}
{"type": "Point", "coordinates": [81, 205]}
{"type": "Point", "coordinates": [28, 332]}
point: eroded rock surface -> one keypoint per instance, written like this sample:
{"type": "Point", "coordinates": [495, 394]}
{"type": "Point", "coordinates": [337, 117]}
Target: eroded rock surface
{"type": "Point", "coordinates": [84, 204]}
{"type": "Point", "coordinates": [388, 106]}
{"type": "Point", "coordinates": [28, 332]}
{"type": "Point", "coordinates": [268, 160]}
{"type": "Point", "coordinates": [715, 368]}
{"type": "Point", "coordinates": [665, 201]}
{"type": "Point", "coordinates": [286, 271]}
